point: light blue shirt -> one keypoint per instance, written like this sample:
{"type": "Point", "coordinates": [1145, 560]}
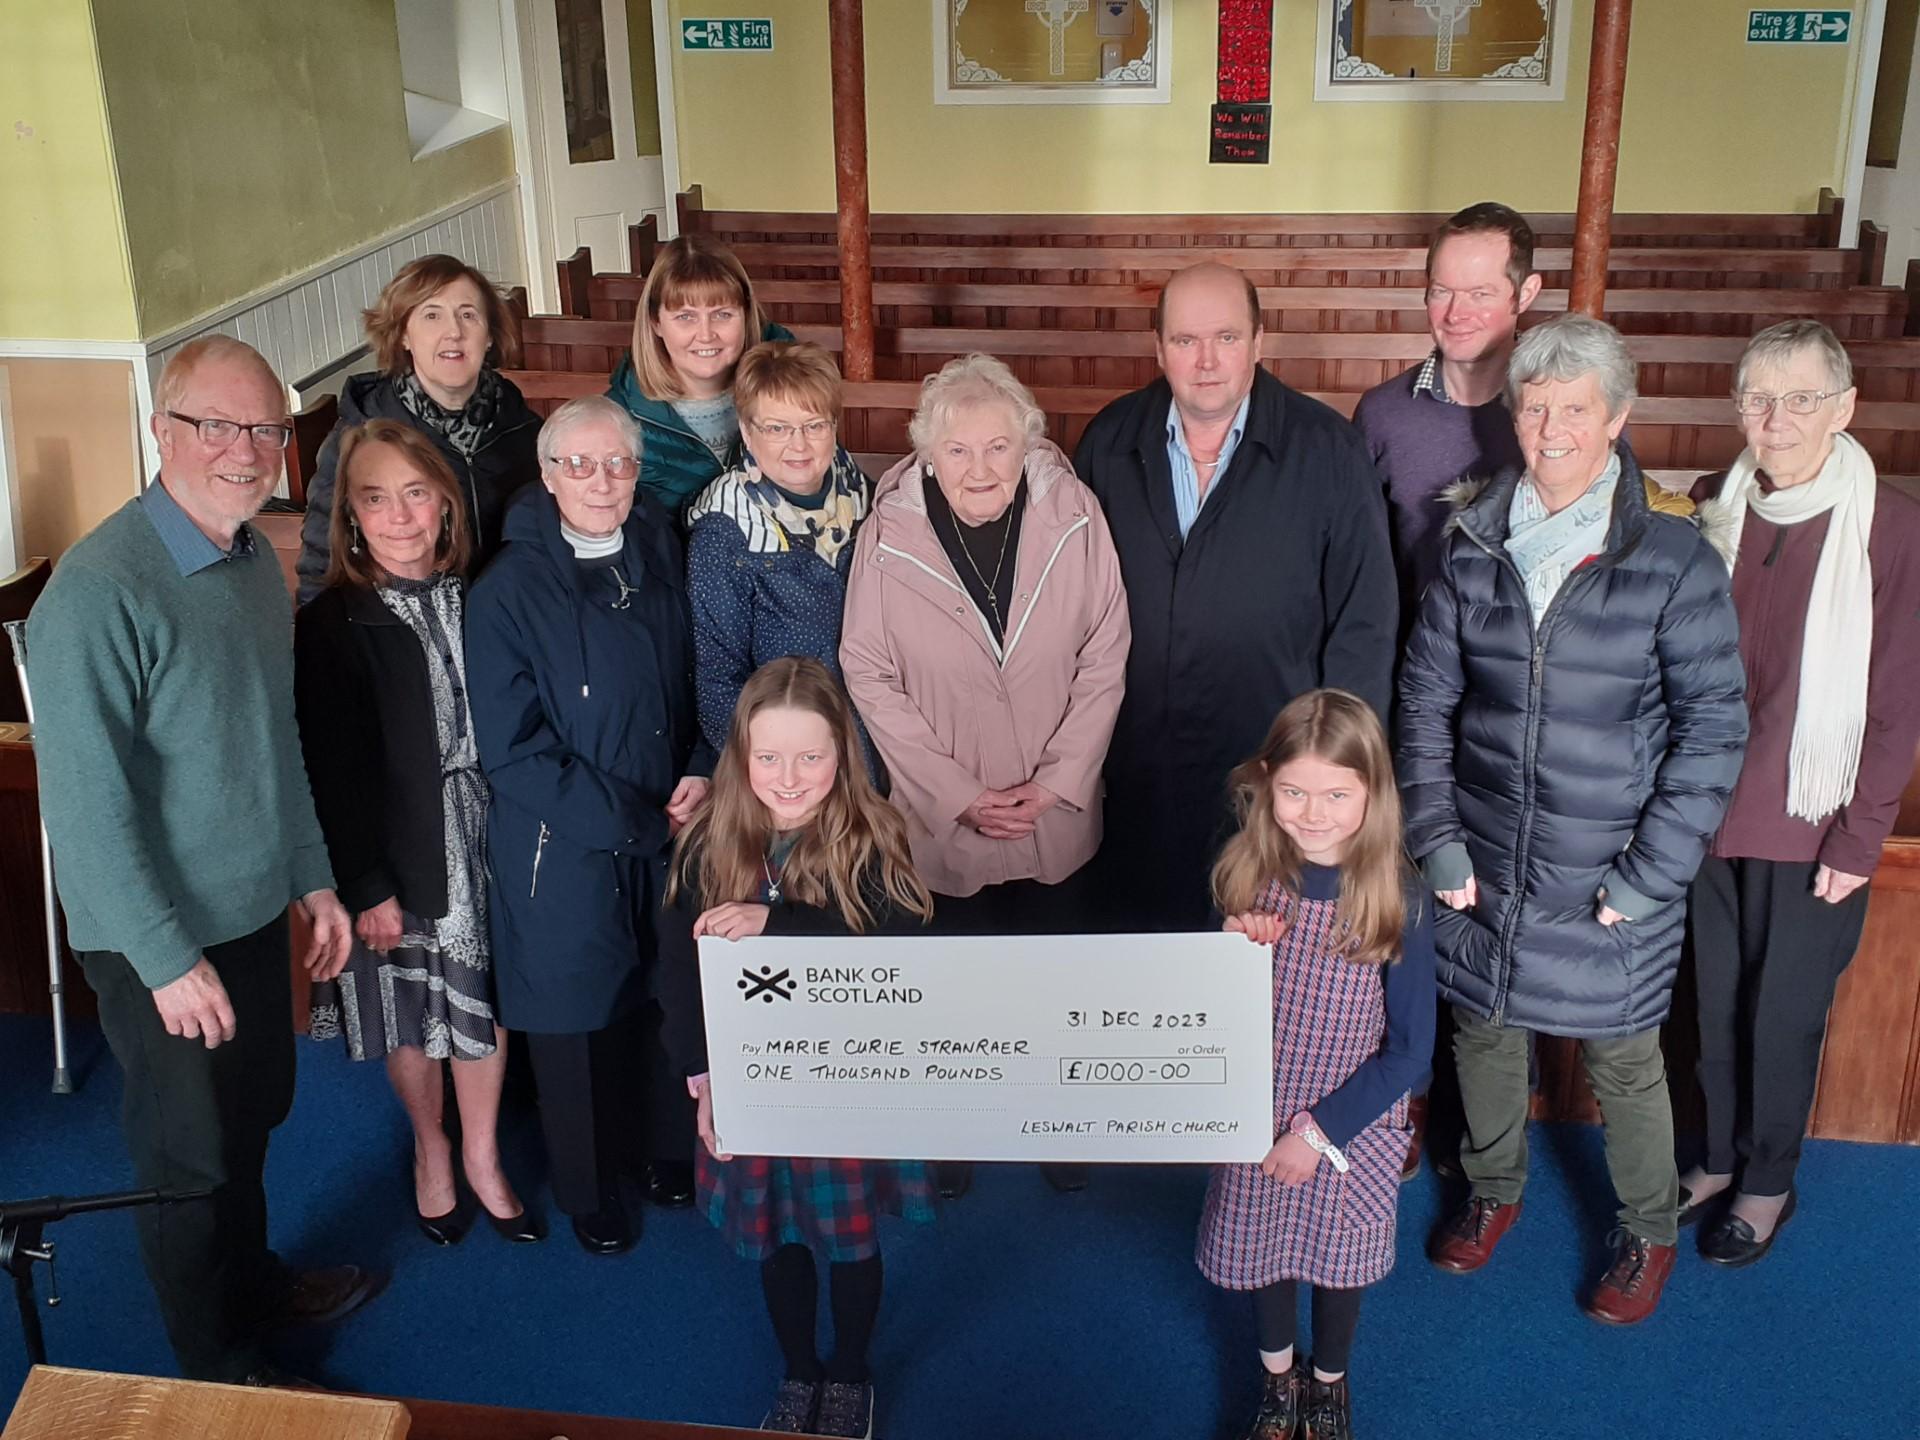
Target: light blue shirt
{"type": "Point", "coordinates": [191, 550]}
{"type": "Point", "coordinates": [1187, 496]}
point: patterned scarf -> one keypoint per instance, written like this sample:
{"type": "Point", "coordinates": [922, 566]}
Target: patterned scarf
{"type": "Point", "coordinates": [466, 428]}
{"type": "Point", "coordinates": [827, 530]}
{"type": "Point", "coordinates": [432, 609]}
{"type": "Point", "coordinates": [1546, 548]}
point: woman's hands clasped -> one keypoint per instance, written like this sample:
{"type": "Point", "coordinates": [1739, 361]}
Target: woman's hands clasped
{"type": "Point", "coordinates": [1009, 814]}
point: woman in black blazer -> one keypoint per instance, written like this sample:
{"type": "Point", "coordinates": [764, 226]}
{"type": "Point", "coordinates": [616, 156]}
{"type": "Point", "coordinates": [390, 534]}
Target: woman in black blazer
{"type": "Point", "coordinates": [381, 694]}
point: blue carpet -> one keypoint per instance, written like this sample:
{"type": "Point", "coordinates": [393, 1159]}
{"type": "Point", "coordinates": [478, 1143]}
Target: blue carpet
{"type": "Point", "coordinates": [1019, 1313]}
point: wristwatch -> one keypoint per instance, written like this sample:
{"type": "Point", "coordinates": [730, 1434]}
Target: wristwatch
{"type": "Point", "coordinates": [1303, 1126]}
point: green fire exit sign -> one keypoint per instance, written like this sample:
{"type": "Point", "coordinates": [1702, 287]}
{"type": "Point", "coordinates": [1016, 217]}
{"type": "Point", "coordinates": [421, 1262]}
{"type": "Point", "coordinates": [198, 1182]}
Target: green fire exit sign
{"type": "Point", "coordinates": [726, 34]}
{"type": "Point", "coordinates": [1799, 27]}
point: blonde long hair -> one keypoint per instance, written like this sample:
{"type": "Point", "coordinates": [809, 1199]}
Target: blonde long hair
{"type": "Point", "coordinates": [1337, 728]}
{"type": "Point", "coordinates": [689, 270]}
{"type": "Point", "coordinates": [853, 834]}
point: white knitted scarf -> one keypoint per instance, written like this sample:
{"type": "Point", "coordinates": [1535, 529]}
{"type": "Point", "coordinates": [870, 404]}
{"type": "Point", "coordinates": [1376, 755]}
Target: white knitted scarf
{"type": "Point", "coordinates": [1830, 718]}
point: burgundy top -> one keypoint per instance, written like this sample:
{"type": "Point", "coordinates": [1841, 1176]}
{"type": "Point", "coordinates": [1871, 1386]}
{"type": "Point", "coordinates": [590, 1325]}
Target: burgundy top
{"type": "Point", "coordinates": [1772, 586]}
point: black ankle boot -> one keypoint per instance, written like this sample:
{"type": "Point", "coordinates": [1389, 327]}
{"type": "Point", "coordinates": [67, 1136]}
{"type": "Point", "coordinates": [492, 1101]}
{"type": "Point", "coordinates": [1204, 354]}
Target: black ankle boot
{"type": "Point", "coordinates": [1278, 1417]}
{"type": "Point", "coordinates": [1328, 1411]}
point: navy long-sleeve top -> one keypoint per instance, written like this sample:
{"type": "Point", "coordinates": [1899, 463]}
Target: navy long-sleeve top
{"type": "Point", "coordinates": [1406, 1046]}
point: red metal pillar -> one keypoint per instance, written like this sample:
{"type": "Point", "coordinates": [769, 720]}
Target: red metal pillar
{"type": "Point", "coordinates": [1600, 156]}
{"type": "Point", "coordinates": [847, 31]}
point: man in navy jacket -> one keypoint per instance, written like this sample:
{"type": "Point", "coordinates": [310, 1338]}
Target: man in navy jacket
{"type": "Point", "coordinates": [1252, 535]}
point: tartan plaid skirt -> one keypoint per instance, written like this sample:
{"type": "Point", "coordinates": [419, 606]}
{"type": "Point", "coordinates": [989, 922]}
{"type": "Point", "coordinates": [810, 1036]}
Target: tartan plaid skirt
{"type": "Point", "coordinates": [833, 1207]}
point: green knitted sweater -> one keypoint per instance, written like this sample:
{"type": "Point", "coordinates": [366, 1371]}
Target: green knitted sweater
{"type": "Point", "coordinates": [169, 765]}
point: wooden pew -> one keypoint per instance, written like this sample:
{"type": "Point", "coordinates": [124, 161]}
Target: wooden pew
{"type": "Point", "coordinates": [1855, 313]}
{"type": "Point", "coordinates": [1121, 359]}
{"type": "Point", "coordinates": [1822, 227]}
{"type": "Point", "coordinates": [1729, 267]}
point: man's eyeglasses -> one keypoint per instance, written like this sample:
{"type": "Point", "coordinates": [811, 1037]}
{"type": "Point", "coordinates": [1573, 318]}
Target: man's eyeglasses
{"type": "Point", "coordinates": [584, 467]}
{"type": "Point", "coordinates": [221, 433]}
{"type": "Point", "coordinates": [779, 431]}
{"type": "Point", "coordinates": [1798, 402]}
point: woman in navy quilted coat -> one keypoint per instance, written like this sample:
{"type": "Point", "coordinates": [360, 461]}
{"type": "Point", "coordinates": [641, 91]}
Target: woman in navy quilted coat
{"type": "Point", "coordinates": [1571, 725]}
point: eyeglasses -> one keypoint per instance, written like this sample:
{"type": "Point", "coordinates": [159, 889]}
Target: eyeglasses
{"type": "Point", "coordinates": [584, 467]}
{"type": "Point", "coordinates": [779, 431]}
{"type": "Point", "coordinates": [221, 433]}
{"type": "Point", "coordinates": [1798, 402]}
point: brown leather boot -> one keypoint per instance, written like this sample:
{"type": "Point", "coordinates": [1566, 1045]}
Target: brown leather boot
{"type": "Point", "coordinates": [1630, 1290]}
{"type": "Point", "coordinates": [1416, 1117]}
{"type": "Point", "coordinates": [1465, 1241]}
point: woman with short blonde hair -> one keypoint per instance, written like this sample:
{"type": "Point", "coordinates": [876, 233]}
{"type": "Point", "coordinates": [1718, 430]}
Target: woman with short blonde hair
{"type": "Point", "coordinates": [771, 542]}
{"type": "Point", "coordinates": [697, 316]}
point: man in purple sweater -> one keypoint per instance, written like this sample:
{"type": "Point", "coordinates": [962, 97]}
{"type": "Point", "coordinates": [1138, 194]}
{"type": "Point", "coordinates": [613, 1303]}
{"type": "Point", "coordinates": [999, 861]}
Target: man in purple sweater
{"type": "Point", "coordinates": [1447, 417]}
{"type": "Point", "coordinates": [1444, 419]}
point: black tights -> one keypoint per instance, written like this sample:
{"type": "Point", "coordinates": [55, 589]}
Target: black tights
{"type": "Point", "coordinates": [792, 1288]}
{"type": "Point", "coordinates": [1336, 1316]}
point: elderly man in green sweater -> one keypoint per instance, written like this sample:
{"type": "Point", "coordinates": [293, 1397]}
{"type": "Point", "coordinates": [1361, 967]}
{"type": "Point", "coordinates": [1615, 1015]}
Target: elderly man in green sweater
{"type": "Point", "coordinates": [162, 676]}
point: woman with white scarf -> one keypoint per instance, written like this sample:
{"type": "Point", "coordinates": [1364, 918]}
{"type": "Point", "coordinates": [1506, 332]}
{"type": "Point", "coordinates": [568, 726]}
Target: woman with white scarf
{"type": "Point", "coordinates": [1826, 580]}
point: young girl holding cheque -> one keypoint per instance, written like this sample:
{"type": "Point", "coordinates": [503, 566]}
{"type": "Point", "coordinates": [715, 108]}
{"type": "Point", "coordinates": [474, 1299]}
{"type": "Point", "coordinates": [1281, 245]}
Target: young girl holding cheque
{"type": "Point", "coordinates": [794, 840]}
{"type": "Point", "coordinates": [1317, 873]}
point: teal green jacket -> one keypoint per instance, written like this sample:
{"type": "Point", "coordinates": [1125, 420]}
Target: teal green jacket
{"type": "Point", "coordinates": [675, 463]}
{"type": "Point", "coordinates": [161, 670]}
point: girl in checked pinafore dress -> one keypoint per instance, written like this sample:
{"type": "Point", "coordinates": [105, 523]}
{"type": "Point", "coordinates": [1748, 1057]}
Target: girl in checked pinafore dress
{"type": "Point", "coordinates": [794, 840]}
{"type": "Point", "coordinates": [1317, 873]}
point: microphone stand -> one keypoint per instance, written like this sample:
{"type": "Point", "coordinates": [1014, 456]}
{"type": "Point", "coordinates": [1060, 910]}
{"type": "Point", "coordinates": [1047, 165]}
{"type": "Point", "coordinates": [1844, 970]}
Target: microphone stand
{"type": "Point", "coordinates": [23, 1242]}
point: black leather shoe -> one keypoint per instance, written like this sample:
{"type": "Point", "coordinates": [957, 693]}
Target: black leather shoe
{"type": "Point", "coordinates": [669, 1184]}
{"type": "Point", "coordinates": [320, 1297]}
{"type": "Point", "coordinates": [447, 1229]}
{"type": "Point", "coordinates": [605, 1232]}
{"type": "Point", "coordinates": [1730, 1241]}
{"type": "Point", "coordinates": [526, 1228]}
{"type": "Point", "coordinates": [1692, 1210]}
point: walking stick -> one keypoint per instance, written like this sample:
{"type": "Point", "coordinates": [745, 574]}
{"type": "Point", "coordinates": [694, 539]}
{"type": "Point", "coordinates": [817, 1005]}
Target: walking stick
{"type": "Point", "coordinates": [62, 1079]}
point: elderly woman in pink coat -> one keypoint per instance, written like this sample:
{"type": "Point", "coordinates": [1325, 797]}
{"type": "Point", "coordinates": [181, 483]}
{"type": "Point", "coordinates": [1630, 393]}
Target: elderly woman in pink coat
{"type": "Point", "coordinates": [985, 645]}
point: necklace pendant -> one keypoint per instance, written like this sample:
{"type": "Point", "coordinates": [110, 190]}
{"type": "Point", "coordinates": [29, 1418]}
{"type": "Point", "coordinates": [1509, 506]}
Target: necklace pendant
{"type": "Point", "coordinates": [773, 894]}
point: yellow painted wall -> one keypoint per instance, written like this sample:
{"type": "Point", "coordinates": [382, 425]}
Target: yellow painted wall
{"type": "Point", "coordinates": [64, 273]}
{"type": "Point", "coordinates": [257, 138]}
{"type": "Point", "coordinates": [1712, 123]}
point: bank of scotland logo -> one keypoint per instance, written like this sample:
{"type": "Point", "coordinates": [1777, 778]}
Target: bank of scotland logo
{"type": "Point", "coordinates": [766, 985]}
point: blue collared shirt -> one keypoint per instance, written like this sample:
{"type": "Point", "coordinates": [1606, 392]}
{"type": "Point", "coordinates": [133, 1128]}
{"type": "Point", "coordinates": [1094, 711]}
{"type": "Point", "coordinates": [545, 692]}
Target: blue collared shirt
{"type": "Point", "coordinates": [1187, 495]}
{"type": "Point", "coordinates": [186, 542]}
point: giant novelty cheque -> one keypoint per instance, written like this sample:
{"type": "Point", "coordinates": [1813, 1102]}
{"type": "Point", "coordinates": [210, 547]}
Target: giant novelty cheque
{"type": "Point", "coordinates": [1064, 1048]}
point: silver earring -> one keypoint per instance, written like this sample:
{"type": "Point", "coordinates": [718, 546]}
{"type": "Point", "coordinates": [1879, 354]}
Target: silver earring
{"type": "Point", "coordinates": [354, 525]}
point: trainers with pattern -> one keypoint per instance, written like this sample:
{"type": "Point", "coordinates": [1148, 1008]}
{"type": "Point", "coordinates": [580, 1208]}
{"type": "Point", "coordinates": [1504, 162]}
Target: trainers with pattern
{"type": "Point", "coordinates": [845, 1410]}
{"type": "Point", "coordinates": [1278, 1417]}
{"type": "Point", "coordinates": [793, 1408]}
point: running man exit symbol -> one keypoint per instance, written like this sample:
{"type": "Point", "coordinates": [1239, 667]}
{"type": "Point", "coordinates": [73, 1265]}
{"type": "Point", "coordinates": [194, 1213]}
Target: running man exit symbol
{"type": "Point", "coordinates": [766, 985]}
{"type": "Point", "coordinates": [1799, 27]}
{"type": "Point", "coordinates": [726, 34]}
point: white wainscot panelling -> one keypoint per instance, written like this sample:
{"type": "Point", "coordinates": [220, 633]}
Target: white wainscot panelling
{"type": "Point", "coordinates": [310, 323]}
